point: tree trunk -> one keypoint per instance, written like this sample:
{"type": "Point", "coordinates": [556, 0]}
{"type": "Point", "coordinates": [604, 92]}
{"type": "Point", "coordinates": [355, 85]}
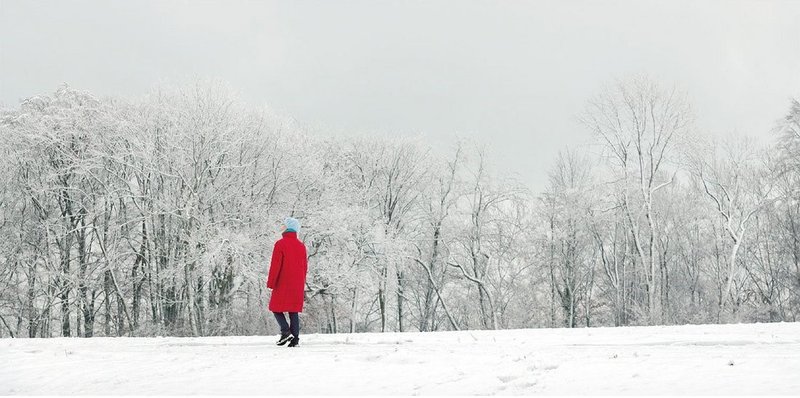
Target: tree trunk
{"type": "Point", "coordinates": [353, 311]}
{"type": "Point", "coordinates": [31, 304]}
{"type": "Point", "coordinates": [399, 275]}
{"type": "Point", "coordinates": [382, 297]}
{"type": "Point", "coordinates": [107, 289]}
{"type": "Point", "coordinates": [65, 287]}
{"type": "Point", "coordinates": [731, 271]}
{"type": "Point", "coordinates": [439, 296]}
{"type": "Point", "coordinates": [190, 300]}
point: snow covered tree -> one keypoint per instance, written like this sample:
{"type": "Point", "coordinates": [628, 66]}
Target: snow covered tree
{"type": "Point", "coordinates": [156, 217]}
{"type": "Point", "coordinates": [640, 126]}
{"type": "Point", "coordinates": [568, 205]}
{"type": "Point", "coordinates": [735, 182]}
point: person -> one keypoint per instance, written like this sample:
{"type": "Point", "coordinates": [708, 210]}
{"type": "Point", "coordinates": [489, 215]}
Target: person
{"type": "Point", "coordinates": [287, 279]}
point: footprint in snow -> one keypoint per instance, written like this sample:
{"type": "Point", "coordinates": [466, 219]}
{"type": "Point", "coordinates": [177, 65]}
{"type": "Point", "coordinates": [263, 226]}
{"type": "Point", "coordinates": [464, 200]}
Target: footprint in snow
{"type": "Point", "coordinates": [507, 378]}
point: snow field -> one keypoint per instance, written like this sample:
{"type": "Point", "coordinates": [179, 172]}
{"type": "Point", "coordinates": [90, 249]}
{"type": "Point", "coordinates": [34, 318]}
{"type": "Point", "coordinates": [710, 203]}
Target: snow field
{"type": "Point", "coordinates": [698, 359]}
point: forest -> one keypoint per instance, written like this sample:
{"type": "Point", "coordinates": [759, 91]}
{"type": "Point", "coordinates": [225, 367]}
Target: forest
{"type": "Point", "coordinates": [157, 217]}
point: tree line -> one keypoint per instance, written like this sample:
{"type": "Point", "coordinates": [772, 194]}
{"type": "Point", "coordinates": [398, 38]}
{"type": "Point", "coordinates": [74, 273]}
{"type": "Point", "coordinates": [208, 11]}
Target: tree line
{"type": "Point", "coordinates": [157, 217]}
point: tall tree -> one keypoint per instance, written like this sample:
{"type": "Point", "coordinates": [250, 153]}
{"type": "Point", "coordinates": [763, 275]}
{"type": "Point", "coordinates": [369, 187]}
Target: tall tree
{"type": "Point", "coordinates": [640, 126]}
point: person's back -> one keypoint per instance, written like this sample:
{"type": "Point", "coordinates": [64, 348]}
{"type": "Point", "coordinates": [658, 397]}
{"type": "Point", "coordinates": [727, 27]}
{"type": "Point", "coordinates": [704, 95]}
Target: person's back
{"type": "Point", "coordinates": [287, 279]}
{"type": "Point", "coordinates": [290, 275]}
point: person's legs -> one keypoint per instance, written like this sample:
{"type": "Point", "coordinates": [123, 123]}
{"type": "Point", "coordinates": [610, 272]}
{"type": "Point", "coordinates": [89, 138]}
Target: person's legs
{"type": "Point", "coordinates": [282, 322]}
{"type": "Point", "coordinates": [285, 335]}
{"type": "Point", "coordinates": [295, 324]}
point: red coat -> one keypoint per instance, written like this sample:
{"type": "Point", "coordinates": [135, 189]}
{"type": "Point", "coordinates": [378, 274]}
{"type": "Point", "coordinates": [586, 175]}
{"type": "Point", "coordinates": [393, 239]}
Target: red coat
{"type": "Point", "coordinates": [287, 274]}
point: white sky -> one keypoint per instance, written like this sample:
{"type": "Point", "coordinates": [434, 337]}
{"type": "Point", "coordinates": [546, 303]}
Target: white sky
{"type": "Point", "coordinates": [512, 74]}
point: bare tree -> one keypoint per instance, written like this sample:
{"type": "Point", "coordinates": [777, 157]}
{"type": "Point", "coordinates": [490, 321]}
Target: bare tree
{"type": "Point", "coordinates": [569, 206]}
{"type": "Point", "coordinates": [437, 203]}
{"type": "Point", "coordinates": [155, 217]}
{"type": "Point", "coordinates": [738, 188]}
{"type": "Point", "coordinates": [470, 253]}
{"type": "Point", "coordinates": [639, 126]}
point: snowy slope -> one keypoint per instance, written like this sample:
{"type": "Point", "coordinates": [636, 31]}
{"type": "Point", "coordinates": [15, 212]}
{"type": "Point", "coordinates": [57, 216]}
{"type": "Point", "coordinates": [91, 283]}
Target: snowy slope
{"type": "Point", "coordinates": [706, 359]}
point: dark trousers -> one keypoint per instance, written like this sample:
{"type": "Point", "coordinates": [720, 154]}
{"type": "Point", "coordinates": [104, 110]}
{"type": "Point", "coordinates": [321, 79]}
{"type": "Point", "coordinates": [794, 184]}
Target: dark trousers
{"type": "Point", "coordinates": [294, 327]}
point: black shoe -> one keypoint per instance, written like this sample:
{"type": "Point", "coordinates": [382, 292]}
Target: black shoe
{"type": "Point", "coordinates": [284, 338]}
{"type": "Point", "coordinates": [295, 342]}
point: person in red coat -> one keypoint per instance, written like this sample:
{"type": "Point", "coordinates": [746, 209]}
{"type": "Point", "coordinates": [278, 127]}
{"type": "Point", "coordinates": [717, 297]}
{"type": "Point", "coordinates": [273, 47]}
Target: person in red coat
{"type": "Point", "coordinates": [287, 279]}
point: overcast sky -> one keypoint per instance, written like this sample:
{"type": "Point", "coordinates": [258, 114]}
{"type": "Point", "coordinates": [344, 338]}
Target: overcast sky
{"type": "Point", "coordinates": [512, 74]}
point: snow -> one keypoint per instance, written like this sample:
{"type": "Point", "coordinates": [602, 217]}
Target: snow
{"type": "Point", "coordinates": [697, 359]}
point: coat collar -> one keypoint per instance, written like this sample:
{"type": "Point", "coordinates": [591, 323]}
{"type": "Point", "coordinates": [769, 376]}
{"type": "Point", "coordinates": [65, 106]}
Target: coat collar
{"type": "Point", "coordinates": [290, 234]}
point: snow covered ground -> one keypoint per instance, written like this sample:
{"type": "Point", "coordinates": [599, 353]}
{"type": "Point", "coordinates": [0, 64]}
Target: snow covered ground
{"type": "Point", "coordinates": [706, 359]}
